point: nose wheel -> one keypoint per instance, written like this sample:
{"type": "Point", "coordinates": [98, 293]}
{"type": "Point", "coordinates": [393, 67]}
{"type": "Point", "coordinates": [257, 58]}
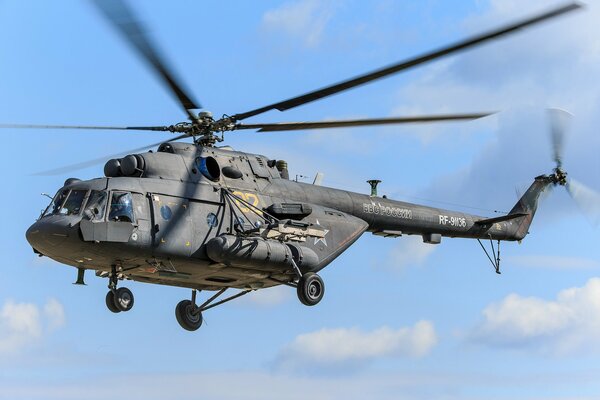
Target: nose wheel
{"type": "Point", "coordinates": [120, 299]}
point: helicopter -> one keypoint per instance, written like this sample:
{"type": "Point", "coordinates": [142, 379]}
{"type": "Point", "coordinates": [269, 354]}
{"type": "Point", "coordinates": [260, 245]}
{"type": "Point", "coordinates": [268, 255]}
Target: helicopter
{"type": "Point", "coordinates": [206, 217]}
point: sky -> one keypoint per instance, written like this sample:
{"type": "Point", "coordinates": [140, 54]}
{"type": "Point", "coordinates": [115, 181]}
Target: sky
{"type": "Point", "coordinates": [400, 319]}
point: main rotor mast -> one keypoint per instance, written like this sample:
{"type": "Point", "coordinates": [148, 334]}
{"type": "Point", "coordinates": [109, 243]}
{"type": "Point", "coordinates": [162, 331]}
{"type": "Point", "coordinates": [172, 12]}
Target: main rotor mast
{"type": "Point", "coordinates": [203, 128]}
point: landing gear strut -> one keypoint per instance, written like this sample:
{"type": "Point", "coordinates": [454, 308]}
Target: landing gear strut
{"type": "Point", "coordinates": [189, 315]}
{"type": "Point", "coordinates": [310, 287]}
{"type": "Point", "coordinates": [120, 299]}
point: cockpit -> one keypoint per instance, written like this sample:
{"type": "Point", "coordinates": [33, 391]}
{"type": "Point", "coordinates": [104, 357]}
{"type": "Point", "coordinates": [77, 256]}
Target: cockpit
{"type": "Point", "coordinates": [92, 205]}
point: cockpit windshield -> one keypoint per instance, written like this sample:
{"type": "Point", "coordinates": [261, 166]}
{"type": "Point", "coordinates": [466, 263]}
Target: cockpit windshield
{"type": "Point", "coordinates": [73, 203]}
{"type": "Point", "coordinates": [66, 202]}
{"type": "Point", "coordinates": [70, 202]}
{"type": "Point", "coordinates": [57, 202]}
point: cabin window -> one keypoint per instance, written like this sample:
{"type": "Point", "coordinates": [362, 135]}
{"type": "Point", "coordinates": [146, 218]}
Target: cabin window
{"type": "Point", "coordinates": [212, 220]}
{"type": "Point", "coordinates": [209, 168]}
{"type": "Point", "coordinates": [96, 205]}
{"type": "Point", "coordinates": [121, 207]}
{"type": "Point", "coordinates": [166, 212]}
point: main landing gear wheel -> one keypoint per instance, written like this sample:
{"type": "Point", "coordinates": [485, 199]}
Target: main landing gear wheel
{"type": "Point", "coordinates": [110, 302]}
{"type": "Point", "coordinates": [310, 289]}
{"type": "Point", "coordinates": [119, 300]}
{"type": "Point", "coordinates": [188, 315]}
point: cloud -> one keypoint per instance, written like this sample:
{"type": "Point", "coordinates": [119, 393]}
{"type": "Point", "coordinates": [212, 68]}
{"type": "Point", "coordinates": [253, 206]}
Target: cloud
{"type": "Point", "coordinates": [553, 262]}
{"type": "Point", "coordinates": [567, 325]}
{"type": "Point", "coordinates": [258, 385]}
{"type": "Point", "coordinates": [55, 314]}
{"type": "Point", "coordinates": [304, 19]}
{"type": "Point", "coordinates": [22, 324]}
{"type": "Point", "coordinates": [410, 251]}
{"type": "Point", "coordinates": [552, 65]}
{"type": "Point", "coordinates": [350, 348]}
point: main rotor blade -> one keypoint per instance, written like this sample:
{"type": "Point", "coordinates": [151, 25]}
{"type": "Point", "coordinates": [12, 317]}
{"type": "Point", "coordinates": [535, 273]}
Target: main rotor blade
{"type": "Point", "coordinates": [559, 124]}
{"type": "Point", "coordinates": [123, 19]}
{"type": "Point", "coordinates": [403, 65]}
{"type": "Point", "coordinates": [293, 126]}
{"type": "Point", "coordinates": [587, 199]}
{"type": "Point", "coordinates": [95, 161]}
{"type": "Point", "coordinates": [86, 127]}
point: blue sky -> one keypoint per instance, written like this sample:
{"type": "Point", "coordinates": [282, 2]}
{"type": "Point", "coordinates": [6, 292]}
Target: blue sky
{"type": "Point", "coordinates": [400, 319]}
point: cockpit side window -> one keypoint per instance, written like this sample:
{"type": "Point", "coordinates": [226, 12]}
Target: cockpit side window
{"type": "Point", "coordinates": [57, 202]}
{"type": "Point", "coordinates": [96, 205]}
{"type": "Point", "coordinates": [121, 207]}
{"type": "Point", "coordinates": [72, 205]}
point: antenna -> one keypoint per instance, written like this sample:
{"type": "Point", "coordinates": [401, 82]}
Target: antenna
{"type": "Point", "coordinates": [374, 183]}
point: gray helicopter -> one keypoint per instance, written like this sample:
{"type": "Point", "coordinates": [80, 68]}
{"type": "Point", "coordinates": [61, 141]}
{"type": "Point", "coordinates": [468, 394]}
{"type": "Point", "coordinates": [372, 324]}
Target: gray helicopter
{"type": "Point", "coordinates": [209, 218]}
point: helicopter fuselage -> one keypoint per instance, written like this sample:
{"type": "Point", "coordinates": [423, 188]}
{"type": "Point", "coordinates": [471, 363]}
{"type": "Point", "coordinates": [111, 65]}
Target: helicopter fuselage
{"type": "Point", "coordinates": [209, 218]}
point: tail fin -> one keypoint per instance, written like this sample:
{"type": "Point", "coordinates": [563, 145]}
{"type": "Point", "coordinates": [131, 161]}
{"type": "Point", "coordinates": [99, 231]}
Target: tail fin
{"type": "Point", "coordinates": [528, 204]}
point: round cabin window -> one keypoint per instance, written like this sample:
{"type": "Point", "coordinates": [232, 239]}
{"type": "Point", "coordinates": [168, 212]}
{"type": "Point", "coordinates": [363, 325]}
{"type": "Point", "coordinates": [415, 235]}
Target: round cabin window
{"type": "Point", "coordinates": [209, 167]}
{"type": "Point", "coordinates": [166, 212]}
{"type": "Point", "coordinates": [212, 220]}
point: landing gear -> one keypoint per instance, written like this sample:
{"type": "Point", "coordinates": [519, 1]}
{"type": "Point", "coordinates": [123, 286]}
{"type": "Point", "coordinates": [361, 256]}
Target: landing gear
{"type": "Point", "coordinates": [123, 299]}
{"type": "Point", "coordinates": [188, 315]}
{"type": "Point", "coordinates": [110, 302]}
{"type": "Point", "coordinates": [310, 286]}
{"type": "Point", "coordinates": [311, 289]}
{"type": "Point", "coordinates": [119, 300]}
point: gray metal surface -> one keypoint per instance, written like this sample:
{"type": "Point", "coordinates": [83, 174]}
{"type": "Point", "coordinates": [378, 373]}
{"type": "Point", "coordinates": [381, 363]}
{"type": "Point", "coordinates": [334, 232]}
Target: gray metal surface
{"type": "Point", "coordinates": [179, 212]}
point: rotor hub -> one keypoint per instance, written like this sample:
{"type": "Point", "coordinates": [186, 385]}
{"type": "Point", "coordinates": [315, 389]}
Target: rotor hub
{"type": "Point", "coordinates": [559, 177]}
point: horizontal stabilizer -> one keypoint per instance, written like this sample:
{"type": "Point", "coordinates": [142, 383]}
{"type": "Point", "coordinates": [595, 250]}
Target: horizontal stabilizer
{"type": "Point", "coordinates": [490, 221]}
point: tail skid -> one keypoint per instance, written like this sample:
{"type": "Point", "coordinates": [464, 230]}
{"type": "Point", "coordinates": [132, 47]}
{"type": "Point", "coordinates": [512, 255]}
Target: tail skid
{"type": "Point", "coordinates": [523, 212]}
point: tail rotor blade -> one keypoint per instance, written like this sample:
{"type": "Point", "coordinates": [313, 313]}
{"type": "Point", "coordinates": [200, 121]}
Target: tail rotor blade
{"type": "Point", "coordinates": [587, 199]}
{"type": "Point", "coordinates": [560, 121]}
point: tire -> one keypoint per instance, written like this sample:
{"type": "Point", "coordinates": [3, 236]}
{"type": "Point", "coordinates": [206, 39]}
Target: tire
{"type": "Point", "coordinates": [110, 302]}
{"type": "Point", "coordinates": [123, 299]}
{"type": "Point", "coordinates": [187, 319]}
{"type": "Point", "coordinates": [311, 289]}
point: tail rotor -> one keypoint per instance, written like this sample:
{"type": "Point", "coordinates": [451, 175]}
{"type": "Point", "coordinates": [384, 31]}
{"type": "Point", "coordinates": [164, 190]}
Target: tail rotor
{"type": "Point", "coordinates": [587, 199]}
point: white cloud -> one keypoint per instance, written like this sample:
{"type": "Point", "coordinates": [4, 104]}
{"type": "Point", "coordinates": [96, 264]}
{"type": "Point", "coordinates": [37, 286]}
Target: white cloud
{"type": "Point", "coordinates": [303, 19]}
{"type": "Point", "coordinates": [568, 324]}
{"type": "Point", "coordinates": [345, 348]}
{"type": "Point", "coordinates": [553, 65]}
{"type": "Point", "coordinates": [553, 262]}
{"type": "Point", "coordinates": [55, 314]}
{"type": "Point", "coordinates": [410, 251]}
{"type": "Point", "coordinates": [22, 324]}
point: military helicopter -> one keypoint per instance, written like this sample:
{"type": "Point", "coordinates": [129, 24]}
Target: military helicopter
{"type": "Point", "coordinates": [209, 218]}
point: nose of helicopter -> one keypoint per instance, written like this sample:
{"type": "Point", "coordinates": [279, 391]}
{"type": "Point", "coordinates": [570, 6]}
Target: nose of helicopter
{"type": "Point", "coordinates": [48, 234]}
